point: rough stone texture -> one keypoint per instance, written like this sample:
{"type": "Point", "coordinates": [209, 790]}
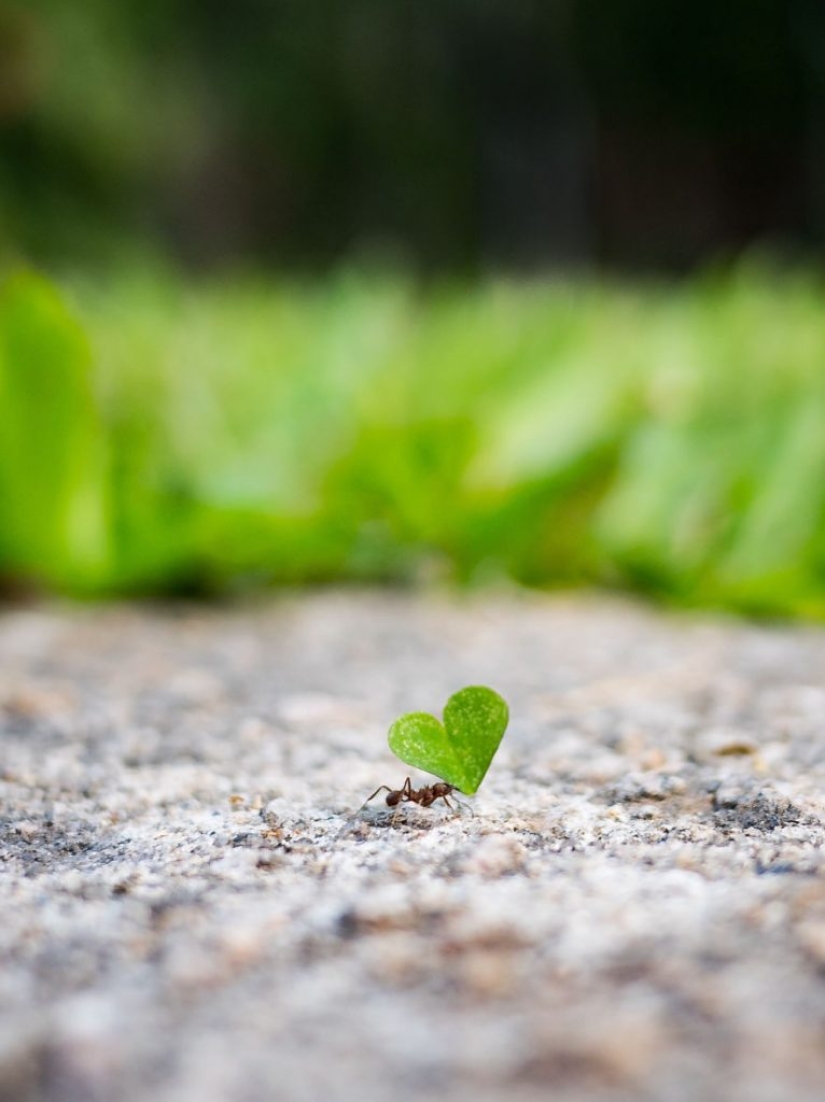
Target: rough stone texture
{"type": "Point", "coordinates": [194, 909]}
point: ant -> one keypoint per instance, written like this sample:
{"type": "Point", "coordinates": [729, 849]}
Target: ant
{"type": "Point", "coordinates": [424, 796]}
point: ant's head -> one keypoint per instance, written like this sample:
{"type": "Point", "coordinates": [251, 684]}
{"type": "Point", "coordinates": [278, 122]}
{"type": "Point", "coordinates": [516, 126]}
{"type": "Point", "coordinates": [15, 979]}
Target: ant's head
{"type": "Point", "coordinates": [394, 798]}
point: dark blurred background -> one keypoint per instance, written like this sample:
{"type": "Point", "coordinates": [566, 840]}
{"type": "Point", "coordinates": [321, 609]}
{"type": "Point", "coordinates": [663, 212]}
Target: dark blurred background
{"type": "Point", "coordinates": [457, 135]}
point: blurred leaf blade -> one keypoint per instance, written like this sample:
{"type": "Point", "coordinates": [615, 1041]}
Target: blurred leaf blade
{"type": "Point", "coordinates": [53, 502]}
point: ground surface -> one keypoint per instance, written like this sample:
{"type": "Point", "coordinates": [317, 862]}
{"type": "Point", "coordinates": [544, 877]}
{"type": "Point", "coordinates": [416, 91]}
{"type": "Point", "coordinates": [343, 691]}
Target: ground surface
{"type": "Point", "coordinates": [193, 910]}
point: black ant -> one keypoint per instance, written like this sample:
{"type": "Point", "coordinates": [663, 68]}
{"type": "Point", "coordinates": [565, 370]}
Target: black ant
{"type": "Point", "coordinates": [424, 796]}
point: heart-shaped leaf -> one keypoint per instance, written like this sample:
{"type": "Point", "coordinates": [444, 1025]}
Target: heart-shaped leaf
{"type": "Point", "coordinates": [460, 749]}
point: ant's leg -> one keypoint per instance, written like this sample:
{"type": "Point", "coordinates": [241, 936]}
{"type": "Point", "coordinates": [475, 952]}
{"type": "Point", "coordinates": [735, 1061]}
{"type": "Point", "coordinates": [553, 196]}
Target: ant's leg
{"type": "Point", "coordinates": [459, 805]}
{"type": "Point", "coordinates": [407, 796]}
{"type": "Point", "coordinates": [381, 788]}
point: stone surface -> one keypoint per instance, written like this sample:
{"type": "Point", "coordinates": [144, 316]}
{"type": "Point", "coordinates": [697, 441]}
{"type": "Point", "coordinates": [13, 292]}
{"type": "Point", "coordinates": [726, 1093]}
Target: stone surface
{"type": "Point", "coordinates": [195, 910]}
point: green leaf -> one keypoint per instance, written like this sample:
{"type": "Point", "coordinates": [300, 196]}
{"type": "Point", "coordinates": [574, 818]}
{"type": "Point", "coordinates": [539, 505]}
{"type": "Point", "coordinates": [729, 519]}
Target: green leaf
{"type": "Point", "coordinates": [460, 749]}
{"type": "Point", "coordinates": [53, 521]}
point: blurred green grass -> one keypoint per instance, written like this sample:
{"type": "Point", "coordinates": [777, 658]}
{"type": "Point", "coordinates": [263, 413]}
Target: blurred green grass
{"type": "Point", "coordinates": [162, 436]}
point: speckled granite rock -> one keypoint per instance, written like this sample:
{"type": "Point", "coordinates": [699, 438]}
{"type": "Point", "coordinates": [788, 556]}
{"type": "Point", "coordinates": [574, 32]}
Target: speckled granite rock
{"type": "Point", "coordinates": [194, 910]}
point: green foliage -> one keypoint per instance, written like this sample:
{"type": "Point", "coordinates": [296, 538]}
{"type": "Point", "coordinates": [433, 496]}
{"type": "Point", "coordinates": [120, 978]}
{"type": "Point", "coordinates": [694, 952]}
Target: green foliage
{"type": "Point", "coordinates": [460, 749]}
{"type": "Point", "coordinates": [169, 437]}
{"type": "Point", "coordinates": [52, 488]}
